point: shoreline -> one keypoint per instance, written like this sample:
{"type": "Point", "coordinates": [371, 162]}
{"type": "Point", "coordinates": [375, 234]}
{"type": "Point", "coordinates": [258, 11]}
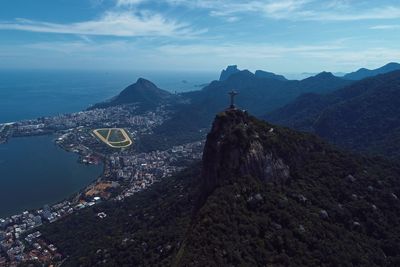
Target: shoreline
{"type": "Point", "coordinates": [125, 171]}
{"type": "Point", "coordinates": [78, 160]}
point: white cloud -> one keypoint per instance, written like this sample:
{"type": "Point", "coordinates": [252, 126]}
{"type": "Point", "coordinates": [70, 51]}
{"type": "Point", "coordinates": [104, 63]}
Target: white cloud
{"type": "Point", "coordinates": [312, 10]}
{"type": "Point", "coordinates": [246, 51]}
{"type": "Point", "coordinates": [385, 27]}
{"type": "Point", "coordinates": [129, 2]}
{"type": "Point", "coordinates": [127, 24]}
{"type": "Point", "coordinates": [335, 55]}
{"type": "Point", "coordinates": [382, 13]}
{"type": "Point", "coordinates": [283, 9]}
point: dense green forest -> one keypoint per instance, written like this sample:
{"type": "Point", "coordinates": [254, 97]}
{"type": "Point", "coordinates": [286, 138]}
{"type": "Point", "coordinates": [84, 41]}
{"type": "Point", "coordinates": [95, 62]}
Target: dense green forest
{"type": "Point", "coordinates": [144, 230]}
{"type": "Point", "coordinates": [363, 116]}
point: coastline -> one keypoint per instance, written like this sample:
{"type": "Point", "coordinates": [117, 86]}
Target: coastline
{"type": "Point", "coordinates": [125, 171]}
{"type": "Point", "coordinates": [77, 159]}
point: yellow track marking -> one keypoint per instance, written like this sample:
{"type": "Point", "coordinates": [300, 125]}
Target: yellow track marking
{"type": "Point", "coordinates": [114, 144]}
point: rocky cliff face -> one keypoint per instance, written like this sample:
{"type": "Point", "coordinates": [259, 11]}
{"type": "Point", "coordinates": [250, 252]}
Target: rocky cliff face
{"type": "Point", "coordinates": [234, 148]}
{"type": "Point", "coordinates": [225, 74]}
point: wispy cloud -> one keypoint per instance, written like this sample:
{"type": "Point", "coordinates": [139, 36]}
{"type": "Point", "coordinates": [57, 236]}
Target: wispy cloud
{"type": "Point", "coordinates": [312, 10]}
{"type": "Point", "coordinates": [129, 2]}
{"type": "Point", "coordinates": [385, 27]}
{"type": "Point", "coordinates": [284, 9]}
{"type": "Point", "coordinates": [123, 24]}
{"type": "Point", "coordinates": [245, 51]}
{"type": "Point", "coordinates": [333, 55]}
{"type": "Point", "coordinates": [134, 23]}
{"type": "Point", "coordinates": [381, 13]}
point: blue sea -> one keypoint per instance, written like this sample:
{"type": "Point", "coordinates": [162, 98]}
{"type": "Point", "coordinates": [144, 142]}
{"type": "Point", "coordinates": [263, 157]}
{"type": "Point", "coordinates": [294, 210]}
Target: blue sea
{"type": "Point", "coordinates": [33, 171]}
{"type": "Point", "coordinates": [32, 94]}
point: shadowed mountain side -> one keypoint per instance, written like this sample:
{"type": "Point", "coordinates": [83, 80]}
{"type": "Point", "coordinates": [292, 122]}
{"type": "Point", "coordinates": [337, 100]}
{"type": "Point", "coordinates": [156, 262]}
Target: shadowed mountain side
{"type": "Point", "coordinates": [365, 73]}
{"type": "Point", "coordinates": [257, 95]}
{"type": "Point", "coordinates": [363, 116]}
{"type": "Point", "coordinates": [269, 75]}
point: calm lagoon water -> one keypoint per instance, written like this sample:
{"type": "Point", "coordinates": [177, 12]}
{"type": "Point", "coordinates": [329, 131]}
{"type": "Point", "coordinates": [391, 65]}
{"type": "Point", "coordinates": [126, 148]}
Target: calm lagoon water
{"type": "Point", "coordinates": [33, 170]}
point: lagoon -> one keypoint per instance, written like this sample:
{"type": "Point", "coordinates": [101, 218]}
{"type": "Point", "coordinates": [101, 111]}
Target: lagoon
{"type": "Point", "coordinates": [34, 171]}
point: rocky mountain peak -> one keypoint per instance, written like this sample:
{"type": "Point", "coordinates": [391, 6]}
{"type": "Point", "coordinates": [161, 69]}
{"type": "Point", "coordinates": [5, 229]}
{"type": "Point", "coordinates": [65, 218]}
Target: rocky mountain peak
{"type": "Point", "coordinates": [325, 74]}
{"type": "Point", "coordinates": [235, 147]}
{"type": "Point", "coordinates": [226, 73]}
{"type": "Point", "coordinates": [145, 83]}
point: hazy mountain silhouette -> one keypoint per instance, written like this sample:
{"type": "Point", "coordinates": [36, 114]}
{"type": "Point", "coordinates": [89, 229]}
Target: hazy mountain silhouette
{"type": "Point", "coordinates": [257, 95]}
{"type": "Point", "coordinates": [363, 116]}
{"type": "Point", "coordinates": [364, 73]}
{"type": "Point", "coordinates": [226, 73]}
{"type": "Point", "coordinates": [269, 75]}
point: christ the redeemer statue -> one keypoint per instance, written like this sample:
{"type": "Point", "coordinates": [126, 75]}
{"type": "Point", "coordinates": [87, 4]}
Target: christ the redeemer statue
{"type": "Point", "coordinates": [232, 93]}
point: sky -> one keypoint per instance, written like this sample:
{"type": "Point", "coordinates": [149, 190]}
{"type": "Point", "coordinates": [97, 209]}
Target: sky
{"type": "Point", "coordinates": [284, 36]}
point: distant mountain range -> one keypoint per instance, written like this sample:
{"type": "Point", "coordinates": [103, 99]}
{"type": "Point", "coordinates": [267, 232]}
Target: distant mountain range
{"type": "Point", "coordinates": [260, 92]}
{"type": "Point", "coordinates": [256, 94]}
{"type": "Point", "coordinates": [233, 69]}
{"type": "Point", "coordinates": [364, 120]}
{"type": "Point", "coordinates": [365, 73]}
{"type": "Point", "coordinates": [363, 116]}
{"type": "Point", "coordinates": [262, 196]}
{"type": "Point", "coordinates": [356, 75]}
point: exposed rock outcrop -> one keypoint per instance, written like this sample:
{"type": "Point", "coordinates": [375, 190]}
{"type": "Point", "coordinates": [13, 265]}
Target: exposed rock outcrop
{"type": "Point", "coordinates": [226, 73]}
{"type": "Point", "coordinates": [235, 149]}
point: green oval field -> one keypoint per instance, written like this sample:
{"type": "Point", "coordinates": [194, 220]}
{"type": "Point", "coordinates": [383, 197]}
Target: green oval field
{"type": "Point", "coordinates": [114, 137]}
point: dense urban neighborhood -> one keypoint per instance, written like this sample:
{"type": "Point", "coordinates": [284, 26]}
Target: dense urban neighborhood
{"type": "Point", "coordinates": [126, 171]}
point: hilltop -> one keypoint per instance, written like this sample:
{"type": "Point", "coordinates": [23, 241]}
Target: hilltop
{"type": "Point", "coordinates": [143, 92]}
{"type": "Point", "coordinates": [263, 195]}
{"type": "Point", "coordinates": [226, 73]}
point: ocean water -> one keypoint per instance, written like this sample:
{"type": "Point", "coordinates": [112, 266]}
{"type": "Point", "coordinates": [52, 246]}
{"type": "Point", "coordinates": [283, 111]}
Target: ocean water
{"type": "Point", "coordinates": [33, 170]}
{"type": "Point", "coordinates": [32, 94]}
